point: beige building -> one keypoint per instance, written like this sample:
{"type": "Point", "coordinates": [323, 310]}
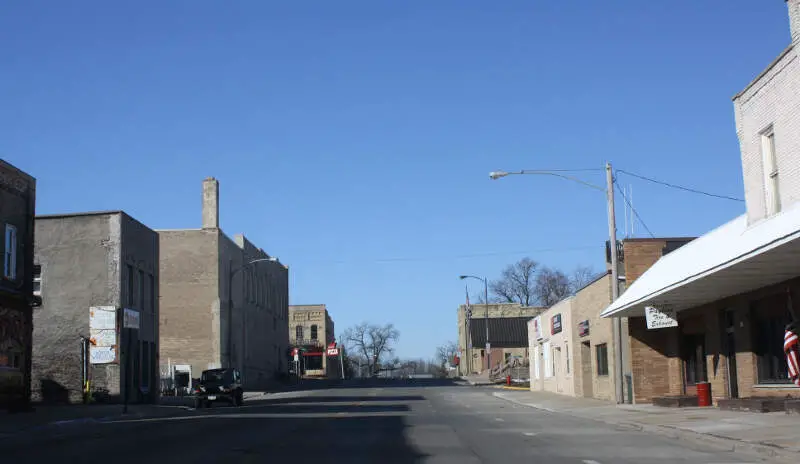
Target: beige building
{"type": "Point", "coordinates": [224, 302]}
{"type": "Point", "coordinates": [507, 338]}
{"type": "Point", "coordinates": [311, 329]}
{"type": "Point", "coordinates": [572, 347]}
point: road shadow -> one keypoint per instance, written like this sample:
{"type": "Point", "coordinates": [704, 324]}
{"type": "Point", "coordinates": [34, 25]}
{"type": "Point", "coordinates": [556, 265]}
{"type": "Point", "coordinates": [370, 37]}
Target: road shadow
{"type": "Point", "coordinates": [267, 408]}
{"type": "Point", "coordinates": [399, 383]}
{"type": "Point", "coordinates": [337, 399]}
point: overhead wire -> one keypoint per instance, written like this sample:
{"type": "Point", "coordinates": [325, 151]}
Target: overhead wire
{"type": "Point", "coordinates": [679, 187]}
{"type": "Point", "coordinates": [636, 213]}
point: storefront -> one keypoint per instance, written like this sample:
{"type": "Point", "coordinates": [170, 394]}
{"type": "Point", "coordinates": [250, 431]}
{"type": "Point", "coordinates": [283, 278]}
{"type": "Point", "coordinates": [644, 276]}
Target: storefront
{"type": "Point", "coordinates": [715, 311]}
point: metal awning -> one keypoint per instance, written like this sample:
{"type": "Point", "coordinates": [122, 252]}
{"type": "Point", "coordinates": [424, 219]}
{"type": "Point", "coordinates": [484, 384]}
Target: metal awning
{"type": "Point", "coordinates": [731, 259]}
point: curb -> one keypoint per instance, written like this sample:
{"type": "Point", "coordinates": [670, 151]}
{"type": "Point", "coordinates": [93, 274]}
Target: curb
{"type": "Point", "coordinates": [506, 387]}
{"type": "Point", "coordinates": [761, 450]}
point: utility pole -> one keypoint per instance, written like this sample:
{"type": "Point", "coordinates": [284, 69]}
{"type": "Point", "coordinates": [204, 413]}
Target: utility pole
{"type": "Point", "coordinates": [612, 234]}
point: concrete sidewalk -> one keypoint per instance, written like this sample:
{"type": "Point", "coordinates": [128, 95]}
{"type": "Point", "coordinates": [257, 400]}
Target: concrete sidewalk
{"type": "Point", "coordinates": [771, 435]}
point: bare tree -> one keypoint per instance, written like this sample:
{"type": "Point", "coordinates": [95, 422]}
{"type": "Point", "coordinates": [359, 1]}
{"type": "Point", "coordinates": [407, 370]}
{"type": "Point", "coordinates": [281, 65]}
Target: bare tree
{"type": "Point", "coordinates": [371, 343]}
{"type": "Point", "coordinates": [517, 284]}
{"type": "Point", "coordinates": [551, 286]}
{"type": "Point", "coordinates": [581, 276]}
{"type": "Point", "coordinates": [446, 353]}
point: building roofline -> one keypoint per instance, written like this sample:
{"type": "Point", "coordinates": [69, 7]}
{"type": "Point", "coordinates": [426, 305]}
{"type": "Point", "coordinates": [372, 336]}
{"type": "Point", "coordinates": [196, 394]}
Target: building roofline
{"type": "Point", "coordinates": [174, 230]}
{"type": "Point", "coordinates": [86, 213]}
{"type": "Point", "coordinates": [658, 239]}
{"type": "Point", "coordinates": [17, 170]}
{"type": "Point", "coordinates": [599, 276]}
{"type": "Point", "coordinates": [764, 72]}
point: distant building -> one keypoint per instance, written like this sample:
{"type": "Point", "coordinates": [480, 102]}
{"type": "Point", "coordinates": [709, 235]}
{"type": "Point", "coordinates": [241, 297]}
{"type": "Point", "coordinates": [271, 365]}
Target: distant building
{"type": "Point", "coordinates": [224, 302]}
{"type": "Point", "coordinates": [311, 329]}
{"type": "Point", "coordinates": [91, 269]}
{"type": "Point", "coordinates": [508, 334]}
{"type": "Point", "coordinates": [17, 206]}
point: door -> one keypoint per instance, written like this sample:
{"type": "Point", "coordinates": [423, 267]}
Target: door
{"type": "Point", "coordinates": [733, 380]}
{"type": "Point", "coordinates": [586, 370]}
{"type": "Point", "coordinates": [694, 361]}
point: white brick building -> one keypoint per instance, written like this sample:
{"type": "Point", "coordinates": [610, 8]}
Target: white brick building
{"type": "Point", "coordinates": [768, 126]}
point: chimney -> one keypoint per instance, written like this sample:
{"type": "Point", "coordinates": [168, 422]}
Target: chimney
{"type": "Point", "coordinates": [794, 19]}
{"type": "Point", "coordinates": [210, 203]}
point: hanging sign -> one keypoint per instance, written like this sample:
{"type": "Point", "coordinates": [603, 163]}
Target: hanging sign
{"type": "Point", "coordinates": [660, 318]}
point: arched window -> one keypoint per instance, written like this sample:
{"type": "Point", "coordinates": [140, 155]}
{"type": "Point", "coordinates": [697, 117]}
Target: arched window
{"type": "Point", "coordinates": [298, 332]}
{"type": "Point", "coordinates": [314, 332]}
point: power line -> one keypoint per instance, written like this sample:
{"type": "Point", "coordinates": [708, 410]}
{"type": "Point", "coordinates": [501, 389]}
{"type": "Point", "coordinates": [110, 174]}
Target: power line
{"type": "Point", "coordinates": [454, 257]}
{"type": "Point", "coordinates": [679, 187]}
{"type": "Point", "coordinates": [634, 210]}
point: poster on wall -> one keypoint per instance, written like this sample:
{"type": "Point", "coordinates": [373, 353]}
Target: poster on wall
{"type": "Point", "coordinates": [537, 327]}
{"type": "Point", "coordinates": [583, 328]}
{"type": "Point", "coordinates": [102, 354]}
{"type": "Point", "coordinates": [660, 318]}
{"type": "Point", "coordinates": [555, 324]}
{"type": "Point", "coordinates": [102, 334]}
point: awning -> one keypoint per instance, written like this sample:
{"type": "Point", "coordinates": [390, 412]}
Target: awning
{"type": "Point", "coordinates": [731, 259]}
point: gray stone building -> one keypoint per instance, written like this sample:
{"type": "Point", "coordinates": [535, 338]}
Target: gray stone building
{"type": "Point", "coordinates": [17, 205]}
{"type": "Point", "coordinates": [91, 269]}
{"type": "Point", "coordinates": [311, 328]}
{"type": "Point", "coordinates": [224, 302]}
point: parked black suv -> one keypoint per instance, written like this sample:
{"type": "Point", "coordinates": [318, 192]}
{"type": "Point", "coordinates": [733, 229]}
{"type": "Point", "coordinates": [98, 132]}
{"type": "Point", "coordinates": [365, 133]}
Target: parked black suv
{"type": "Point", "coordinates": [219, 385]}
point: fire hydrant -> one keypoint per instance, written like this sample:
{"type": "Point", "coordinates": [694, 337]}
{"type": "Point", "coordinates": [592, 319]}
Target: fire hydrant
{"type": "Point", "coordinates": [508, 380]}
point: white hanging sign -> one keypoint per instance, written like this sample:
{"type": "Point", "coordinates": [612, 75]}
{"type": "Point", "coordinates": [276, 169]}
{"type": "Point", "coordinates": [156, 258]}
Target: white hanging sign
{"type": "Point", "coordinates": [660, 318]}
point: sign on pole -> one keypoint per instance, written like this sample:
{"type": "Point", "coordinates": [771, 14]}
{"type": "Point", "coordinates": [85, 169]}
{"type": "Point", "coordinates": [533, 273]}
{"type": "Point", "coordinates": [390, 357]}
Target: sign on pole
{"type": "Point", "coordinates": [333, 351]}
{"type": "Point", "coordinates": [660, 318]}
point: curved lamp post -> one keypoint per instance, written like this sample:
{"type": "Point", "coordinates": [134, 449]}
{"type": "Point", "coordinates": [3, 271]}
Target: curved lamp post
{"type": "Point", "coordinates": [486, 315]}
{"type": "Point", "coordinates": [230, 302]}
{"type": "Point", "coordinates": [612, 234]}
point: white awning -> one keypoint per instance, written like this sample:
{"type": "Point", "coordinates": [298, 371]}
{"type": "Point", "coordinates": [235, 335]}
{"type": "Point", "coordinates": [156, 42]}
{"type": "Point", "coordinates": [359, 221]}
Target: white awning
{"type": "Point", "coordinates": [731, 259]}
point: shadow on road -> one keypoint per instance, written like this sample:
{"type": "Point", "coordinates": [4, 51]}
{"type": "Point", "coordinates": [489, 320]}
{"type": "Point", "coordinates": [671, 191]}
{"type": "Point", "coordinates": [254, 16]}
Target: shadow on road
{"type": "Point", "coordinates": [336, 399]}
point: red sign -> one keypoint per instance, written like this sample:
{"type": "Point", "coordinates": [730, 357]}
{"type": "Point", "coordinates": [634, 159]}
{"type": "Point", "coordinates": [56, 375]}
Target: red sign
{"type": "Point", "coordinates": [333, 351]}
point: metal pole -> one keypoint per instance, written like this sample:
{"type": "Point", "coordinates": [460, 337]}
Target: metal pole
{"type": "Point", "coordinates": [612, 235]}
{"type": "Point", "coordinates": [341, 361]}
{"type": "Point", "coordinates": [486, 301]}
{"type": "Point", "coordinates": [127, 333]}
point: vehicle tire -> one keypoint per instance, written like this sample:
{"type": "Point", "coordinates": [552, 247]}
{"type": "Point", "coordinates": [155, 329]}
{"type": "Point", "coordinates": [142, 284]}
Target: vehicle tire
{"type": "Point", "coordinates": [240, 399]}
{"type": "Point", "coordinates": [198, 404]}
{"type": "Point", "coordinates": [208, 404]}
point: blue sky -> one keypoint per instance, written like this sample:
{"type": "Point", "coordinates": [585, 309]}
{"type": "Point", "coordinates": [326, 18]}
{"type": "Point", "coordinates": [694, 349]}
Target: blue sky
{"type": "Point", "coordinates": [353, 138]}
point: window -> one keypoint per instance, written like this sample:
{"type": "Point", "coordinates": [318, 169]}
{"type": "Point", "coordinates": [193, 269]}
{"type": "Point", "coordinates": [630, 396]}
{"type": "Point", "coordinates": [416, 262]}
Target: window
{"type": "Point", "coordinates": [152, 286]}
{"type": "Point", "coordinates": [536, 362]}
{"type": "Point", "coordinates": [548, 363]}
{"type": "Point", "coordinates": [141, 290]}
{"type": "Point", "coordinates": [314, 331]}
{"type": "Point", "coordinates": [298, 332]}
{"type": "Point", "coordinates": [602, 359]}
{"type": "Point", "coordinates": [10, 360]}
{"type": "Point", "coordinates": [10, 253]}
{"type": "Point", "coordinates": [770, 163]}
{"type": "Point", "coordinates": [130, 290]}
{"type": "Point", "coordinates": [566, 354]}
{"type": "Point", "coordinates": [37, 280]}
{"type": "Point", "coordinates": [770, 317]}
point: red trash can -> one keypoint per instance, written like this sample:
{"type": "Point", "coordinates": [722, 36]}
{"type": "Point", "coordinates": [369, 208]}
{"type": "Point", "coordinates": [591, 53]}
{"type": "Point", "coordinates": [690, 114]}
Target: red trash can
{"type": "Point", "coordinates": [704, 394]}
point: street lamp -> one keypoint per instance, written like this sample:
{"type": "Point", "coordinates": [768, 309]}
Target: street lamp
{"type": "Point", "coordinates": [230, 302]}
{"type": "Point", "coordinates": [612, 233]}
{"type": "Point", "coordinates": [486, 315]}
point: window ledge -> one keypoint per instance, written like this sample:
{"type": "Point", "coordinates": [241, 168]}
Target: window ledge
{"type": "Point", "coordinates": [776, 386]}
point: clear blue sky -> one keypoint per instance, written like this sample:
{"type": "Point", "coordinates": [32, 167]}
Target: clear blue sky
{"type": "Point", "coordinates": [353, 139]}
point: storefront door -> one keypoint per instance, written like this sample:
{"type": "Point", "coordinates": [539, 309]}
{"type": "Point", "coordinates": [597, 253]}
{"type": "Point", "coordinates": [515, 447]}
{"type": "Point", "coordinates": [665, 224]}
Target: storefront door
{"type": "Point", "coordinates": [694, 361]}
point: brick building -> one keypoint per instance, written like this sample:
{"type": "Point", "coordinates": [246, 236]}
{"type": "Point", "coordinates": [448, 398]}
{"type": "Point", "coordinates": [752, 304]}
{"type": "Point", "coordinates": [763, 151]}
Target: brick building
{"type": "Point", "coordinates": [311, 329]}
{"type": "Point", "coordinates": [572, 347]}
{"type": "Point", "coordinates": [224, 302]}
{"type": "Point", "coordinates": [17, 206]}
{"type": "Point", "coordinates": [472, 334]}
{"type": "Point", "coordinates": [91, 265]}
{"type": "Point", "coordinates": [732, 291]}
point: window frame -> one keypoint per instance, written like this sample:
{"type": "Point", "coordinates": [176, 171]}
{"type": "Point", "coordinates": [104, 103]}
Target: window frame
{"type": "Point", "coordinates": [601, 359]}
{"type": "Point", "coordinates": [10, 252]}
{"type": "Point", "coordinates": [38, 277]}
{"type": "Point", "coordinates": [769, 163]}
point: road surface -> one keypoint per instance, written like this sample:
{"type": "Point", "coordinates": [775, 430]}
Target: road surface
{"type": "Point", "coordinates": [379, 422]}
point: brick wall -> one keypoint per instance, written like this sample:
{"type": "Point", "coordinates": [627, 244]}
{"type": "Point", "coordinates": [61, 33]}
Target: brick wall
{"type": "Point", "coordinates": [588, 303]}
{"type": "Point", "coordinates": [190, 313]}
{"type": "Point", "coordinates": [773, 99]}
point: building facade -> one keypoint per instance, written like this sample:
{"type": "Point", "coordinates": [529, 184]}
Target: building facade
{"type": "Point", "coordinates": [17, 209]}
{"type": "Point", "coordinates": [312, 330]}
{"type": "Point", "coordinates": [552, 347]}
{"type": "Point", "coordinates": [224, 302]}
{"type": "Point", "coordinates": [472, 338]}
{"type": "Point", "coordinates": [92, 270]}
{"type": "Point", "coordinates": [716, 309]}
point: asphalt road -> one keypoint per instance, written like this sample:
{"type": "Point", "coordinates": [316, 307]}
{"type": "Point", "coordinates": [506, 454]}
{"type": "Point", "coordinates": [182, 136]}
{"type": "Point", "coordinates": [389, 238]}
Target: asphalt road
{"type": "Point", "coordinates": [397, 422]}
